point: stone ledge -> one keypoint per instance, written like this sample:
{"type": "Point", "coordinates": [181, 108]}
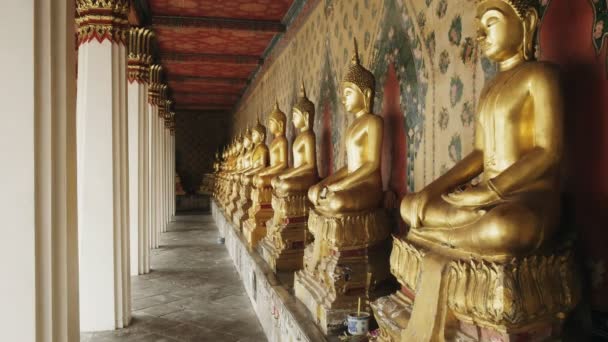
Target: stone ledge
{"type": "Point", "coordinates": [282, 316]}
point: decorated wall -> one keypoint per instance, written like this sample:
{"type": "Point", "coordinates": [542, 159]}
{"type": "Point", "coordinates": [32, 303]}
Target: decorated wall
{"type": "Point", "coordinates": [197, 135]}
{"type": "Point", "coordinates": [429, 75]}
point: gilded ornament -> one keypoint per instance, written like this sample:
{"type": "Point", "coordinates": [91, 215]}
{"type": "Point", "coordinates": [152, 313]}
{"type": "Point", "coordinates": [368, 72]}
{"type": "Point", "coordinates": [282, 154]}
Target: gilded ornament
{"type": "Point", "coordinates": [140, 56]}
{"type": "Point", "coordinates": [102, 19]}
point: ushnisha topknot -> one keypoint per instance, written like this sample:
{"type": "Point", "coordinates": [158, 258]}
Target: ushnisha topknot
{"type": "Point", "coordinates": [519, 6]}
{"type": "Point", "coordinates": [358, 75]}
{"type": "Point", "coordinates": [304, 105]}
{"type": "Point", "coordinates": [278, 116]}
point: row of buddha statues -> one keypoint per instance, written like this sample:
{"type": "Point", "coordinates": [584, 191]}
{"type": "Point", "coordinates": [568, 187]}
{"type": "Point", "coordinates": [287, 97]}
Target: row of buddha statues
{"type": "Point", "coordinates": [484, 256]}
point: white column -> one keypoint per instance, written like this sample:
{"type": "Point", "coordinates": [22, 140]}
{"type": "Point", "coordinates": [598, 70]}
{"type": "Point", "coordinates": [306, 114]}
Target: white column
{"type": "Point", "coordinates": [172, 166]}
{"type": "Point", "coordinates": [161, 179]}
{"type": "Point", "coordinates": [153, 114]}
{"type": "Point", "coordinates": [103, 192]}
{"type": "Point", "coordinates": [158, 176]}
{"type": "Point", "coordinates": [139, 58]}
{"type": "Point", "coordinates": [39, 287]}
{"type": "Point", "coordinates": [167, 173]}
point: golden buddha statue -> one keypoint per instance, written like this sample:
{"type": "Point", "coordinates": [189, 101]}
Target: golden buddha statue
{"type": "Point", "coordinates": [277, 151]}
{"type": "Point", "coordinates": [242, 151]}
{"type": "Point", "coordinates": [491, 265]}
{"type": "Point", "coordinates": [348, 259]}
{"type": "Point", "coordinates": [283, 247]}
{"type": "Point", "coordinates": [258, 208]}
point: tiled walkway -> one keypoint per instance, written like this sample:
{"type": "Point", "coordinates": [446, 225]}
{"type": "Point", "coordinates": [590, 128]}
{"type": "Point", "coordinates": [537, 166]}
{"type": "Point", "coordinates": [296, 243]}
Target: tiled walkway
{"type": "Point", "coordinates": [193, 293]}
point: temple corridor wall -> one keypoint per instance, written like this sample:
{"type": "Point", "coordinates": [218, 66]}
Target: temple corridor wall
{"type": "Point", "coordinates": [429, 74]}
{"type": "Point", "coordinates": [197, 134]}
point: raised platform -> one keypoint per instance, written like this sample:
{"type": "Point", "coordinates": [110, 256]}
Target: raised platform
{"type": "Point", "coordinates": [281, 315]}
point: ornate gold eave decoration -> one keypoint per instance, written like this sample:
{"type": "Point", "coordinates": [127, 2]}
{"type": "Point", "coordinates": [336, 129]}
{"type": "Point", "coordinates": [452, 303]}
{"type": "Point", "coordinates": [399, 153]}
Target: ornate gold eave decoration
{"type": "Point", "coordinates": [101, 20]}
{"type": "Point", "coordinates": [140, 55]}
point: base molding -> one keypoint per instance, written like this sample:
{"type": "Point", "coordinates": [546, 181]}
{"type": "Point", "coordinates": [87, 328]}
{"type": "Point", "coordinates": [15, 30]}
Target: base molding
{"type": "Point", "coordinates": [282, 317]}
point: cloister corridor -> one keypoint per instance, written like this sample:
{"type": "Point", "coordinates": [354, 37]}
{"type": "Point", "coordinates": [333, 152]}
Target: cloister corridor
{"type": "Point", "coordinates": [193, 292]}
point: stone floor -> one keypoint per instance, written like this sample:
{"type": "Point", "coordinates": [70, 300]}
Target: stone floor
{"type": "Point", "coordinates": [192, 294]}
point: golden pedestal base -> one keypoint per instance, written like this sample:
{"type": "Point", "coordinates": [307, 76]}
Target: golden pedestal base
{"type": "Point", "coordinates": [348, 260]}
{"type": "Point", "coordinates": [445, 299]}
{"type": "Point", "coordinates": [283, 246]}
{"type": "Point", "coordinates": [254, 228]}
{"type": "Point", "coordinates": [242, 207]}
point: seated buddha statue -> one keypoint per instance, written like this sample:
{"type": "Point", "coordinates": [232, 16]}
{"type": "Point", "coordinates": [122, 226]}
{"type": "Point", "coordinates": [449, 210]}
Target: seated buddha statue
{"type": "Point", "coordinates": [243, 150]}
{"type": "Point", "coordinates": [283, 247]}
{"type": "Point", "coordinates": [348, 258]}
{"type": "Point", "coordinates": [277, 149]}
{"type": "Point", "coordinates": [481, 260]}
{"type": "Point", "coordinates": [514, 207]}
{"type": "Point", "coordinates": [358, 185]}
{"type": "Point", "coordinates": [259, 154]}
{"type": "Point", "coordinates": [260, 162]}
{"type": "Point", "coordinates": [304, 173]}
{"type": "Point", "coordinates": [260, 176]}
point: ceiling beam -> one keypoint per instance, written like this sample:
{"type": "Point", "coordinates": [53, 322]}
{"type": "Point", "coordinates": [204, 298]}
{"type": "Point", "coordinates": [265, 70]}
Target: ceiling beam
{"type": "Point", "coordinates": [205, 93]}
{"type": "Point", "coordinates": [224, 80]}
{"type": "Point", "coordinates": [219, 23]}
{"type": "Point", "coordinates": [204, 57]}
{"type": "Point", "coordinates": [179, 108]}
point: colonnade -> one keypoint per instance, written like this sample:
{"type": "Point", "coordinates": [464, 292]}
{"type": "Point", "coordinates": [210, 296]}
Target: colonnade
{"type": "Point", "coordinates": [88, 183]}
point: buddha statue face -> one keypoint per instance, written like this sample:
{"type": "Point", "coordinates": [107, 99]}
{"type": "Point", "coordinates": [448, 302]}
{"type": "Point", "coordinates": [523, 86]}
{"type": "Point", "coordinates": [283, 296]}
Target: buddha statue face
{"type": "Point", "coordinates": [299, 121]}
{"type": "Point", "coordinates": [276, 121]}
{"type": "Point", "coordinates": [353, 99]}
{"type": "Point", "coordinates": [276, 127]}
{"type": "Point", "coordinates": [256, 137]}
{"type": "Point", "coordinates": [503, 31]}
{"type": "Point", "coordinates": [303, 111]}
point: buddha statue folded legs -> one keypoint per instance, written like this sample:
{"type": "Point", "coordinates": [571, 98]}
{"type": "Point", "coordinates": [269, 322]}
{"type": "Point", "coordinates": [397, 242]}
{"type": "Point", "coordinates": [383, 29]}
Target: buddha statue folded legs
{"type": "Point", "coordinates": [286, 236]}
{"type": "Point", "coordinates": [482, 261]}
{"type": "Point", "coordinates": [348, 259]}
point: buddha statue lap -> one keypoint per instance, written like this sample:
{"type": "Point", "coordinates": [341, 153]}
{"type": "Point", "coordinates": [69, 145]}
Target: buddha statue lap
{"type": "Point", "coordinates": [283, 246]}
{"type": "Point", "coordinates": [278, 161]}
{"type": "Point", "coordinates": [484, 261]}
{"type": "Point", "coordinates": [348, 259]}
{"type": "Point", "coordinates": [254, 227]}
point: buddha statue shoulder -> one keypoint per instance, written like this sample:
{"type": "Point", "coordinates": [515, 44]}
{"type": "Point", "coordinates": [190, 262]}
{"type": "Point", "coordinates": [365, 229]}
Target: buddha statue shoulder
{"type": "Point", "coordinates": [513, 209]}
{"type": "Point", "coordinates": [277, 149]}
{"type": "Point", "coordinates": [304, 172]}
{"type": "Point", "coordinates": [358, 186]}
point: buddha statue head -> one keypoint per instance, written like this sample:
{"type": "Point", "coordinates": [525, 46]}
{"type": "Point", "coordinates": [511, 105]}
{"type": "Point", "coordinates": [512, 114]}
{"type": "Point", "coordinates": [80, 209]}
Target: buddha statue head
{"type": "Point", "coordinates": [506, 28]}
{"type": "Point", "coordinates": [277, 120]}
{"type": "Point", "coordinates": [303, 111]}
{"type": "Point", "coordinates": [358, 87]}
{"type": "Point", "coordinates": [258, 133]}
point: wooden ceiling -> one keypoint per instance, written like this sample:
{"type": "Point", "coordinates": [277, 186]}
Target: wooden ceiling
{"type": "Point", "coordinates": [211, 49]}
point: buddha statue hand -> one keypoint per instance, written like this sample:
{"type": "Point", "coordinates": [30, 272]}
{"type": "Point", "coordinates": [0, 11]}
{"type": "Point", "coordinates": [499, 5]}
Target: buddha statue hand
{"type": "Point", "coordinates": [478, 196]}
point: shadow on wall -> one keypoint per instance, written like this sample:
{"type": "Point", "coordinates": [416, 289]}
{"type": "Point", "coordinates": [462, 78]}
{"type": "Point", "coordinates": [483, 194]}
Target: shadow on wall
{"type": "Point", "coordinates": [585, 81]}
